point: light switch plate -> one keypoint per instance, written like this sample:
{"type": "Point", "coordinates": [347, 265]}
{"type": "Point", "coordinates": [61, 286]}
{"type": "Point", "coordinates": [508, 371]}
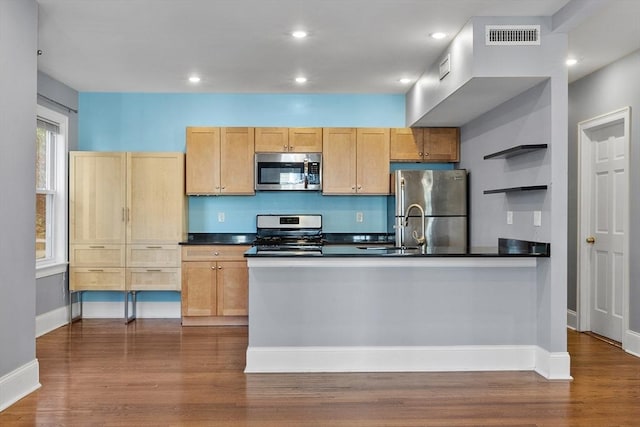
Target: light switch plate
{"type": "Point", "coordinates": [220, 216]}
{"type": "Point", "coordinates": [359, 217]}
{"type": "Point", "coordinates": [537, 218]}
{"type": "Point", "coordinates": [509, 217]}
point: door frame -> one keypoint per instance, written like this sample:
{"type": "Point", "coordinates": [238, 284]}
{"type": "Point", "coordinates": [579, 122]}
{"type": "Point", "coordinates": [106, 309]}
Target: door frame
{"type": "Point", "coordinates": [584, 217]}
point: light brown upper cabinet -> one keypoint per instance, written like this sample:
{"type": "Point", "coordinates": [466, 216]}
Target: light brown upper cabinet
{"type": "Point", "coordinates": [425, 145]}
{"type": "Point", "coordinates": [355, 161]}
{"type": "Point", "coordinates": [293, 140]}
{"type": "Point", "coordinates": [220, 160]}
{"type": "Point", "coordinates": [305, 140]}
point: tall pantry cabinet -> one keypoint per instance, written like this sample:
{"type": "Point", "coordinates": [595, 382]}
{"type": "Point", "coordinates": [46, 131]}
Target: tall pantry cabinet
{"type": "Point", "coordinates": [127, 214]}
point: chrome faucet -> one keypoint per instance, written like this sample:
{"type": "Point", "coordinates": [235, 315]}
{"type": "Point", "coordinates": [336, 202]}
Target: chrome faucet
{"type": "Point", "coordinates": [420, 240]}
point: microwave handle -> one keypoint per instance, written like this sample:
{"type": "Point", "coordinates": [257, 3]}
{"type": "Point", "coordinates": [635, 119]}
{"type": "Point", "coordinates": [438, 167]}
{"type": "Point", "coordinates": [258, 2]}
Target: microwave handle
{"type": "Point", "coordinates": [306, 173]}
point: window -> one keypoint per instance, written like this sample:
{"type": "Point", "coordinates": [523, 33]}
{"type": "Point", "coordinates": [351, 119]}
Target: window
{"type": "Point", "coordinates": [51, 193]}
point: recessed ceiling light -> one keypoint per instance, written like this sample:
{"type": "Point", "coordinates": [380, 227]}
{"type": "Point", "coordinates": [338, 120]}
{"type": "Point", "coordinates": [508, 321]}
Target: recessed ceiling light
{"type": "Point", "coordinates": [438, 35]}
{"type": "Point", "coordinates": [194, 79]}
{"type": "Point", "coordinates": [301, 80]}
{"type": "Point", "coordinates": [299, 34]}
{"type": "Point", "coordinates": [571, 62]}
{"type": "Point", "coordinates": [405, 80]}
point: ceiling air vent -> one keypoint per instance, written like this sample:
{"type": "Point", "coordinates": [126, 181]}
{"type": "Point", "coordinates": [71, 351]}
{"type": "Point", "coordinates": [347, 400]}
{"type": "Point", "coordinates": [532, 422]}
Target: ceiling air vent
{"type": "Point", "coordinates": [512, 35]}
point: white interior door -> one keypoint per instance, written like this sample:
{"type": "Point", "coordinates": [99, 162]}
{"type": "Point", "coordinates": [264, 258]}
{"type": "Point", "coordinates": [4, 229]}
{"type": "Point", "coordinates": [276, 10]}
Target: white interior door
{"type": "Point", "coordinates": [604, 224]}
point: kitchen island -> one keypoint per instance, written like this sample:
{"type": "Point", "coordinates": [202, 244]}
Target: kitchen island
{"type": "Point", "coordinates": [356, 309]}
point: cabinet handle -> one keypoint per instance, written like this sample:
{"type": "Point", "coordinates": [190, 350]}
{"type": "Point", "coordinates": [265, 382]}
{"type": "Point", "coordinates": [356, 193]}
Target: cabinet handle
{"type": "Point", "coordinates": [223, 187]}
{"type": "Point", "coordinates": [217, 187]}
{"type": "Point", "coordinates": [285, 148]}
{"type": "Point", "coordinates": [421, 154]}
{"type": "Point", "coordinates": [219, 268]}
{"type": "Point", "coordinates": [98, 270]}
{"type": "Point", "coordinates": [291, 148]}
{"type": "Point", "coordinates": [213, 268]}
{"type": "Point", "coordinates": [216, 253]}
{"type": "Point", "coordinates": [426, 154]}
{"type": "Point", "coordinates": [123, 215]}
{"type": "Point", "coordinates": [96, 247]}
{"type": "Point", "coordinates": [353, 187]}
{"type": "Point", "coordinates": [153, 269]}
{"type": "Point", "coordinates": [359, 187]}
{"type": "Point", "coordinates": [154, 247]}
{"type": "Point", "coordinates": [128, 215]}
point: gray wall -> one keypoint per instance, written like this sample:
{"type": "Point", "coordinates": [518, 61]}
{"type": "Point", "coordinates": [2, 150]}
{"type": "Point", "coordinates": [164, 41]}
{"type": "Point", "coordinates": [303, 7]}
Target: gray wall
{"type": "Point", "coordinates": [611, 88]}
{"type": "Point", "coordinates": [18, 45]}
{"type": "Point", "coordinates": [52, 291]}
{"type": "Point", "coordinates": [522, 120]}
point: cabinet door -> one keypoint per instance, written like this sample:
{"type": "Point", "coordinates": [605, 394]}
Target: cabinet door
{"type": "Point", "coordinates": [203, 160]}
{"type": "Point", "coordinates": [199, 292]}
{"type": "Point", "coordinates": [441, 144]}
{"type": "Point", "coordinates": [236, 161]}
{"type": "Point", "coordinates": [97, 197]}
{"type": "Point", "coordinates": [270, 140]}
{"type": "Point", "coordinates": [339, 161]}
{"type": "Point", "coordinates": [155, 198]}
{"type": "Point", "coordinates": [233, 285]}
{"type": "Point", "coordinates": [406, 144]}
{"type": "Point", "coordinates": [305, 140]}
{"type": "Point", "coordinates": [373, 161]}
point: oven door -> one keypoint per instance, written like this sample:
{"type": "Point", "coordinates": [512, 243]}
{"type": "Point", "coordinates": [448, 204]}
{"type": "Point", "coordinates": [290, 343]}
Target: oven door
{"type": "Point", "coordinates": [288, 171]}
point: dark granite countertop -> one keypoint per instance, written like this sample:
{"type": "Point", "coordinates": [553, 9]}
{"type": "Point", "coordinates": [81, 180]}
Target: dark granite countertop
{"type": "Point", "coordinates": [355, 238]}
{"type": "Point", "coordinates": [507, 248]}
{"type": "Point", "coordinates": [248, 238]}
{"type": "Point", "coordinates": [376, 245]}
{"type": "Point", "coordinates": [220, 239]}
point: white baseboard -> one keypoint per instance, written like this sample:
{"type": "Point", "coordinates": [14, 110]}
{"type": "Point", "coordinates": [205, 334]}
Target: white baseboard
{"type": "Point", "coordinates": [403, 359]}
{"type": "Point", "coordinates": [553, 366]}
{"type": "Point", "coordinates": [572, 320]}
{"type": "Point", "coordinates": [51, 320]}
{"type": "Point", "coordinates": [631, 343]}
{"type": "Point", "coordinates": [19, 383]}
{"type": "Point", "coordinates": [145, 310]}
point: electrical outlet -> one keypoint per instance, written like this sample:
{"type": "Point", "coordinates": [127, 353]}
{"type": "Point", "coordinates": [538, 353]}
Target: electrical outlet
{"type": "Point", "coordinates": [509, 217]}
{"type": "Point", "coordinates": [359, 217]}
{"type": "Point", "coordinates": [220, 216]}
{"type": "Point", "coordinates": [537, 218]}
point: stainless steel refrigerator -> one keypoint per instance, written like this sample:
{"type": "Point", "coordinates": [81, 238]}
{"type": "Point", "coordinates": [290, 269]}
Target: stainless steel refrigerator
{"type": "Point", "coordinates": [442, 194]}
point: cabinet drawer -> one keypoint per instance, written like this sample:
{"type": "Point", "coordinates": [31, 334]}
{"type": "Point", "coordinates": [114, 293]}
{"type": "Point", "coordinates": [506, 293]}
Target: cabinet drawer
{"type": "Point", "coordinates": [153, 279]}
{"type": "Point", "coordinates": [96, 255]}
{"type": "Point", "coordinates": [214, 252]}
{"type": "Point", "coordinates": [96, 279]}
{"type": "Point", "coordinates": [153, 256]}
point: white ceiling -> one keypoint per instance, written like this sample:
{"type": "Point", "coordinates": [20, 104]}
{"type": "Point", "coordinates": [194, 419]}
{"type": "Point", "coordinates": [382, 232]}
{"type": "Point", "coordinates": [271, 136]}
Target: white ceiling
{"type": "Point", "coordinates": [244, 46]}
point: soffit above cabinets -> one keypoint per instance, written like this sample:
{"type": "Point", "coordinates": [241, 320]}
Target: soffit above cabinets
{"type": "Point", "coordinates": [474, 98]}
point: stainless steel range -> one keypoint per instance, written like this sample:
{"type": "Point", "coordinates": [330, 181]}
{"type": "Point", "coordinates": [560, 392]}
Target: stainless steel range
{"type": "Point", "coordinates": [289, 234]}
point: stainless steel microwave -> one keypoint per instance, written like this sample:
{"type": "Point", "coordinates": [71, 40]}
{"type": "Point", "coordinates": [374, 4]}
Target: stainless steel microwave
{"type": "Point", "coordinates": [288, 171]}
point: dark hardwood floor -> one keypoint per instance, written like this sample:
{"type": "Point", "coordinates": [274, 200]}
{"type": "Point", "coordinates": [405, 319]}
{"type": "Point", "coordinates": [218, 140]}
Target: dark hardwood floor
{"type": "Point", "coordinates": [156, 373]}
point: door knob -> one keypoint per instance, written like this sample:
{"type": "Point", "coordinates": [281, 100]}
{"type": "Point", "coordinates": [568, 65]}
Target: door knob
{"type": "Point", "coordinates": [591, 239]}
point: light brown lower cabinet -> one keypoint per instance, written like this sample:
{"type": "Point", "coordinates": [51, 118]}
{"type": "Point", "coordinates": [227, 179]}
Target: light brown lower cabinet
{"type": "Point", "coordinates": [215, 283]}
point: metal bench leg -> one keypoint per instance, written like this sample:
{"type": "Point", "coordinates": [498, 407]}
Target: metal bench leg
{"type": "Point", "coordinates": [127, 318]}
{"type": "Point", "coordinates": [72, 318]}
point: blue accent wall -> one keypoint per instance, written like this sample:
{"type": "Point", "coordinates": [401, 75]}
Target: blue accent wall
{"type": "Point", "coordinates": [157, 122]}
